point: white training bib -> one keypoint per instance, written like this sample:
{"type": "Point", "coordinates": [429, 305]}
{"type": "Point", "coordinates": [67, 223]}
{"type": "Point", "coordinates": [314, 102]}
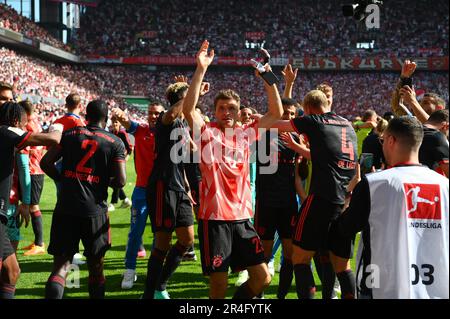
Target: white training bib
{"type": "Point", "coordinates": [408, 234]}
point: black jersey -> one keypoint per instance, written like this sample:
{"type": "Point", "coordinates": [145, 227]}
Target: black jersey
{"type": "Point", "coordinates": [276, 188]}
{"type": "Point", "coordinates": [434, 148]}
{"type": "Point", "coordinates": [10, 139]}
{"type": "Point", "coordinates": [170, 153]}
{"type": "Point", "coordinates": [334, 154]}
{"type": "Point", "coordinates": [372, 144]}
{"type": "Point", "coordinates": [88, 156]}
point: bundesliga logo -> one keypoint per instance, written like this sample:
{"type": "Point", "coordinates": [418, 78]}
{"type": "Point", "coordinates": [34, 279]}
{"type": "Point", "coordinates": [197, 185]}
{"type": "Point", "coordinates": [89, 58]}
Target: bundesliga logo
{"type": "Point", "coordinates": [423, 202]}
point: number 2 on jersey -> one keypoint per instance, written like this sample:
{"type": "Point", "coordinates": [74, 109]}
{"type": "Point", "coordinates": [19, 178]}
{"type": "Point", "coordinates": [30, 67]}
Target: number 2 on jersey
{"type": "Point", "coordinates": [81, 164]}
{"type": "Point", "coordinates": [347, 147]}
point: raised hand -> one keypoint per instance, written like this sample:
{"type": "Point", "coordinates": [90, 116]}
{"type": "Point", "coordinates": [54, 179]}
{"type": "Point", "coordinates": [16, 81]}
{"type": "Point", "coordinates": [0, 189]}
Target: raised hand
{"type": "Point", "coordinates": [288, 140]}
{"type": "Point", "coordinates": [408, 95]}
{"type": "Point", "coordinates": [408, 69]}
{"type": "Point", "coordinates": [289, 74]}
{"type": "Point", "coordinates": [204, 89]}
{"type": "Point", "coordinates": [119, 114]}
{"type": "Point", "coordinates": [204, 59]}
{"type": "Point", "coordinates": [181, 78]}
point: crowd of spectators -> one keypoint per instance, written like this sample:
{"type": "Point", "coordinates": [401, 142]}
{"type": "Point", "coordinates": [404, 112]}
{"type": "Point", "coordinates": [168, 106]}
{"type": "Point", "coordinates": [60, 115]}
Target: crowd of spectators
{"type": "Point", "coordinates": [292, 27]}
{"type": "Point", "coordinates": [12, 20]}
{"type": "Point", "coordinates": [354, 92]}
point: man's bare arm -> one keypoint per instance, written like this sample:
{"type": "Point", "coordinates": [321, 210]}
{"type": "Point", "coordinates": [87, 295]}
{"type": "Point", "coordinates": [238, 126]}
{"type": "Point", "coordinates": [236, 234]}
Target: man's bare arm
{"type": "Point", "coordinates": [45, 139]}
{"type": "Point", "coordinates": [49, 160]}
{"type": "Point", "coordinates": [409, 98]}
{"type": "Point", "coordinates": [204, 59]}
{"type": "Point", "coordinates": [275, 110]}
{"type": "Point", "coordinates": [289, 79]}
{"type": "Point", "coordinates": [408, 69]}
{"type": "Point", "coordinates": [119, 177]}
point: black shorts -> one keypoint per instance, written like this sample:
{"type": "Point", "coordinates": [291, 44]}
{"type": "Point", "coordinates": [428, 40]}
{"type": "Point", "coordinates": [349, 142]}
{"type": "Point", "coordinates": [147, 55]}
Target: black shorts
{"type": "Point", "coordinates": [226, 244]}
{"type": "Point", "coordinates": [37, 185]}
{"type": "Point", "coordinates": [168, 209]}
{"type": "Point", "coordinates": [270, 219]}
{"type": "Point", "coordinates": [6, 249]}
{"type": "Point", "coordinates": [67, 230]}
{"type": "Point", "coordinates": [311, 230]}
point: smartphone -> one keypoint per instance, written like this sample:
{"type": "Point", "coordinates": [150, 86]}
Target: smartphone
{"type": "Point", "coordinates": [408, 82]}
{"type": "Point", "coordinates": [269, 77]}
{"type": "Point", "coordinates": [366, 162]}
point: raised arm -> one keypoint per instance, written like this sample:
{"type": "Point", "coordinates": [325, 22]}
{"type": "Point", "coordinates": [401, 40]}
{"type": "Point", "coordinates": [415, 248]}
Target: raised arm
{"type": "Point", "coordinates": [289, 79]}
{"type": "Point", "coordinates": [204, 59]}
{"type": "Point", "coordinates": [173, 112]}
{"type": "Point", "coordinates": [45, 139]}
{"type": "Point", "coordinates": [408, 69]}
{"type": "Point", "coordinates": [409, 98]}
{"type": "Point", "coordinates": [283, 126]}
{"type": "Point", "coordinates": [275, 111]}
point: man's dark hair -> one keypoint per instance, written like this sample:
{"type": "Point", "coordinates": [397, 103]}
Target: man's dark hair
{"type": "Point", "coordinates": [227, 94]}
{"type": "Point", "coordinates": [288, 102]}
{"type": "Point", "coordinates": [27, 106]}
{"type": "Point", "coordinates": [388, 116]}
{"type": "Point", "coordinates": [438, 117]}
{"type": "Point", "coordinates": [156, 102]}
{"type": "Point", "coordinates": [11, 113]}
{"type": "Point", "coordinates": [5, 86]}
{"type": "Point", "coordinates": [96, 111]}
{"type": "Point", "coordinates": [72, 101]}
{"type": "Point", "coordinates": [407, 130]}
{"type": "Point", "coordinates": [368, 114]}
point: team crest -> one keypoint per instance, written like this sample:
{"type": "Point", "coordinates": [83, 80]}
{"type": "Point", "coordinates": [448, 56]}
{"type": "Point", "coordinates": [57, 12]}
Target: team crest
{"type": "Point", "coordinates": [217, 261]}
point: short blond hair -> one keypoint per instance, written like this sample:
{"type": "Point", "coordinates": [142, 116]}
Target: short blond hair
{"type": "Point", "coordinates": [175, 92]}
{"type": "Point", "coordinates": [315, 99]}
{"type": "Point", "coordinates": [324, 87]}
{"type": "Point", "coordinates": [382, 126]}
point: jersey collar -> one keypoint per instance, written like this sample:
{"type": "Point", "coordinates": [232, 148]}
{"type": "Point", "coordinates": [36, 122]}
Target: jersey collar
{"type": "Point", "coordinates": [72, 114]}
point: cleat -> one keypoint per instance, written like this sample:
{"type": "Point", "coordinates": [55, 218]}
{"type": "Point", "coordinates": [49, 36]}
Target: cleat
{"type": "Point", "coordinates": [161, 294]}
{"type": "Point", "coordinates": [243, 277]}
{"type": "Point", "coordinates": [142, 254]}
{"type": "Point", "coordinates": [111, 208]}
{"type": "Point", "coordinates": [129, 277]}
{"type": "Point", "coordinates": [36, 250]}
{"type": "Point", "coordinates": [271, 267]}
{"type": "Point", "coordinates": [30, 246]}
{"type": "Point", "coordinates": [76, 259]}
{"type": "Point", "coordinates": [189, 256]}
{"type": "Point", "coordinates": [126, 203]}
